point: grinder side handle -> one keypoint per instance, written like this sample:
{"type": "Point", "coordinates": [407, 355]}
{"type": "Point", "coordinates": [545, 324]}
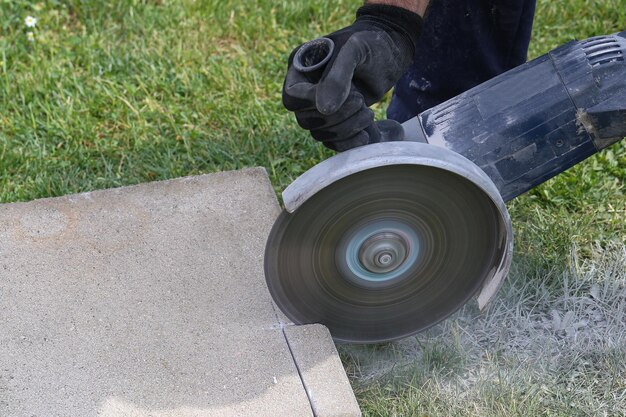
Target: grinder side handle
{"type": "Point", "coordinates": [311, 59]}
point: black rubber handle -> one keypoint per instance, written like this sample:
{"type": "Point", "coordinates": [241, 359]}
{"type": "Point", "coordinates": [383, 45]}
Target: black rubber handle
{"type": "Point", "coordinates": [313, 56]}
{"type": "Point", "coordinates": [311, 60]}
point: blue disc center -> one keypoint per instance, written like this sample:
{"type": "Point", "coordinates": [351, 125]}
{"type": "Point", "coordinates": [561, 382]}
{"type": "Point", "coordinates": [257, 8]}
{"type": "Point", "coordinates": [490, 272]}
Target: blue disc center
{"type": "Point", "coordinates": [382, 250]}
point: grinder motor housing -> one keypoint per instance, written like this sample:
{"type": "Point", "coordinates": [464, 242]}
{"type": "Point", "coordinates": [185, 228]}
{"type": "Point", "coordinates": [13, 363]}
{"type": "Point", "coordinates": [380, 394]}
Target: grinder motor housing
{"type": "Point", "coordinates": [539, 119]}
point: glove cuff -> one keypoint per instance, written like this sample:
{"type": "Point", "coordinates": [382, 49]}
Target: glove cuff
{"type": "Point", "coordinates": [393, 19]}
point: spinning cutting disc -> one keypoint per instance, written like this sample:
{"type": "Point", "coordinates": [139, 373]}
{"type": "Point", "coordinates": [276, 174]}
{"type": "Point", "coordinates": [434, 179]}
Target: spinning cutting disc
{"type": "Point", "coordinates": [384, 253]}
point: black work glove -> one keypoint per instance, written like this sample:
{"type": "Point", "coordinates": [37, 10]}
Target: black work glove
{"type": "Point", "coordinates": [368, 59]}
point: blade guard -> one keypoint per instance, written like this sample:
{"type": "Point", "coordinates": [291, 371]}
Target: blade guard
{"type": "Point", "coordinates": [407, 153]}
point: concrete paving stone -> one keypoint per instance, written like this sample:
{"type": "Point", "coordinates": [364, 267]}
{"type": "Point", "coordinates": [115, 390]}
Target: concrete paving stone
{"type": "Point", "coordinates": [321, 371]}
{"type": "Point", "coordinates": [150, 301]}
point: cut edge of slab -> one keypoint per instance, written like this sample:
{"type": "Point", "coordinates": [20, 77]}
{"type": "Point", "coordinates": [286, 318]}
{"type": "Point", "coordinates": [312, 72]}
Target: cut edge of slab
{"type": "Point", "coordinates": [261, 172]}
{"type": "Point", "coordinates": [322, 373]}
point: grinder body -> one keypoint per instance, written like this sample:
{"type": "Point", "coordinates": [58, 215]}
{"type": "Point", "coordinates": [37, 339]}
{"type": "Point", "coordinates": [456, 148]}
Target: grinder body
{"type": "Point", "coordinates": [385, 240]}
{"type": "Point", "coordinates": [539, 119]}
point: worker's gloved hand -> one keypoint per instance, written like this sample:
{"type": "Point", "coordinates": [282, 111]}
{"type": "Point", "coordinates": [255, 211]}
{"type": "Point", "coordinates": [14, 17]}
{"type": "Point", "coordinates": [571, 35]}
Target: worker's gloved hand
{"type": "Point", "coordinates": [368, 59]}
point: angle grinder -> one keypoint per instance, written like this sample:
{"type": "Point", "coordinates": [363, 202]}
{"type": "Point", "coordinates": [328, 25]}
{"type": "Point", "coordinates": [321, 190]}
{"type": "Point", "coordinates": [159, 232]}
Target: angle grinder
{"type": "Point", "coordinates": [383, 241]}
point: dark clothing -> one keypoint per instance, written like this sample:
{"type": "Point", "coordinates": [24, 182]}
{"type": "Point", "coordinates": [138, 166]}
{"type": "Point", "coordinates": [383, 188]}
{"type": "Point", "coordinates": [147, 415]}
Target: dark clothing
{"type": "Point", "coordinates": [463, 43]}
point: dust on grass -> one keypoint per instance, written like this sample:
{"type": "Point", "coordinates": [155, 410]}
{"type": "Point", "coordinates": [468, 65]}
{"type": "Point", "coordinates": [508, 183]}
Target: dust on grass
{"type": "Point", "coordinates": [538, 350]}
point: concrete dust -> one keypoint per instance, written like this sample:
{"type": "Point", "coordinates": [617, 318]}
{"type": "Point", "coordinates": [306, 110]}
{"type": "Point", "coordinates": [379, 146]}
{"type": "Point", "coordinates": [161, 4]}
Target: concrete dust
{"type": "Point", "coordinates": [554, 338]}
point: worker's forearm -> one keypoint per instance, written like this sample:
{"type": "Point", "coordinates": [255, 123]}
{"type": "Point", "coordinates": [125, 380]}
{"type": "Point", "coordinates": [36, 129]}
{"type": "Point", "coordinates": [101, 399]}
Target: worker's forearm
{"type": "Point", "coordinates": [416, 6]}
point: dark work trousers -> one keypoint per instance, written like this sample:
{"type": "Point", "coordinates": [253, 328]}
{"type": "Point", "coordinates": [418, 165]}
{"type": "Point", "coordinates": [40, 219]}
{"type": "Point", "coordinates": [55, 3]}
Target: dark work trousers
{"type": "Point", "coordinates": [463, 43]}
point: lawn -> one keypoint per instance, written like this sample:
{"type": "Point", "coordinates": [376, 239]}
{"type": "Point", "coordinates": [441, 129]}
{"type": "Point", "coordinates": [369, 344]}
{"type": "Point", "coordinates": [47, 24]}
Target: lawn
{"type": "Point", "coordinates": [105, 94]}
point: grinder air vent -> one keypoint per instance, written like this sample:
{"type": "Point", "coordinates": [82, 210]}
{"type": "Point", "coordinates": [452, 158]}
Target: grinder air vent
{"type": "Point", "coordinates": [602, 50]}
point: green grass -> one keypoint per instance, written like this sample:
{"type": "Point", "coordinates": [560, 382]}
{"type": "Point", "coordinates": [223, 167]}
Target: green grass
{"type": "Point", "coordinates": [124, 92]}
{"type": "Point", "coordinates": [127, 91]}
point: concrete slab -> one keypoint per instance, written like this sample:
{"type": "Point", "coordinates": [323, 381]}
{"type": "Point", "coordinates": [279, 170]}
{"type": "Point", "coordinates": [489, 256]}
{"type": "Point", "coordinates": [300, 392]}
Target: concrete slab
{"type": "Point", "coordinates": [150, 301]}
{"type": "Point", "coordinates": [322, 373]}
